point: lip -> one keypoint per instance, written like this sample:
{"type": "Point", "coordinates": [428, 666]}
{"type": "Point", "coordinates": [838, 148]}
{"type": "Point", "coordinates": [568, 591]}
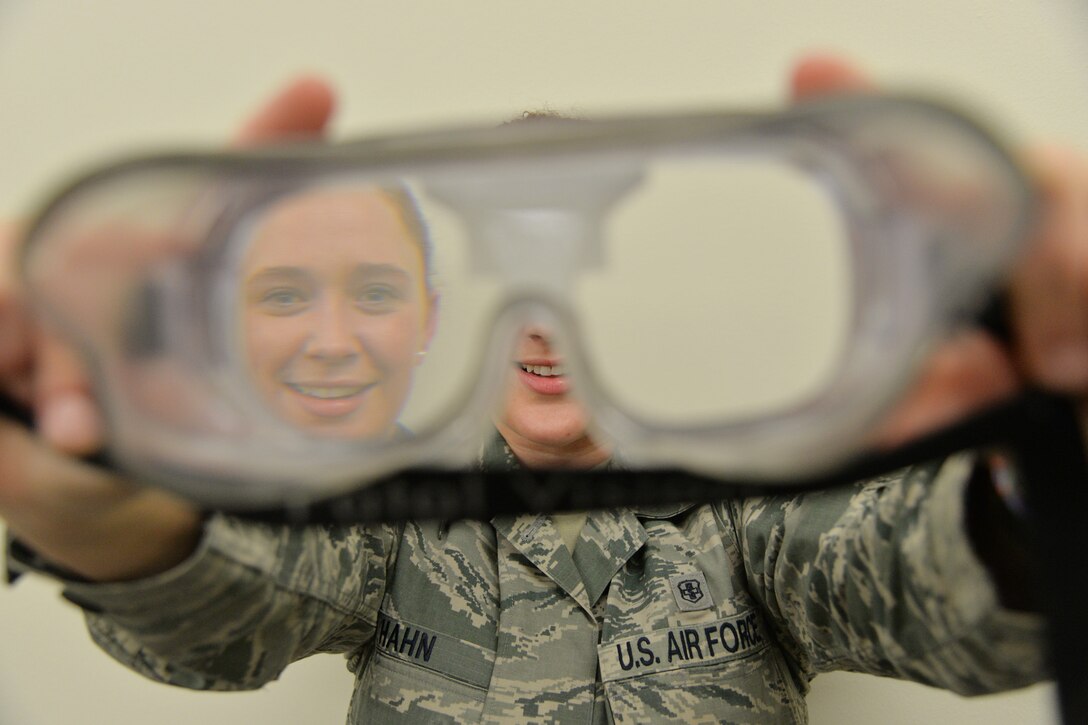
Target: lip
{"type": "Point", "coordinates": [329, 399]}
{"type": "Point", "coordinates": [554, 385]}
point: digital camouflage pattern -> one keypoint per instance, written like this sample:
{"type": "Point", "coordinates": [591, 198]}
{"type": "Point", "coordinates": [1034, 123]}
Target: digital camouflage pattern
{"type": "Point", "coordinates": [698, 614]}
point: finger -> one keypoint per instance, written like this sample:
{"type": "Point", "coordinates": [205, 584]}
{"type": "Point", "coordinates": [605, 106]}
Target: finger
{"type": "Point", "coordinates": [1049, 289]}
{"type": "Point", "coordinates": [66, 414]}
{"type": "Point", "coordinates": [86, 519]}
{"type": "Point", "coordinates": [15, 340]}
{"type": "Point", "coordinates": [15, 333]}
{"type": "Point", "coordinates": [14, 343]}
{"type": "Point", "coordinates": [821, 74]}
{"type": "Point", "coordinates": [967, 372]}
{"type": "Point", "coordinates": [33, 474]}
{"type": "Point", "coordinates": [10, 234]}
{"type": "Point", "coordinates": [302, 109]}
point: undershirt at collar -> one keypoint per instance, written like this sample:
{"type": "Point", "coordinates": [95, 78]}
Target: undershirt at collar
{"type": "Point", "coordinates": [569, 525]}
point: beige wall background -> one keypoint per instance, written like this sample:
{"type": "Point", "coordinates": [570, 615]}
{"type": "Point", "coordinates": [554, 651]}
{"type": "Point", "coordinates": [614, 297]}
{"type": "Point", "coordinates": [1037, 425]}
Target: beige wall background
{"type": "Point", "coordinates": [80, 82]}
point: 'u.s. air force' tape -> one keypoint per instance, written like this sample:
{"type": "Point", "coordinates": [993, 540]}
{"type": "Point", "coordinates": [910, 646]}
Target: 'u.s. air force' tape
{"type": "Point", "coordinates": [688, 646]}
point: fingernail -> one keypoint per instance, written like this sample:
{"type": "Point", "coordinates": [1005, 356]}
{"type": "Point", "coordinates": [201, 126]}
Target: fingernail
{"type": "Point", "coordinates": [70, 423]}
{"type": "Point", "coordinates": [1067, 366]}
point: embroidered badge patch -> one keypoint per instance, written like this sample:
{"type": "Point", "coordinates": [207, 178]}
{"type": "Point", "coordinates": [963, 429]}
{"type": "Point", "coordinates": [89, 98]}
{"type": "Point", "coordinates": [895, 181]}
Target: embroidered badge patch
{"type": "Point", "coordinates": [691, 592]}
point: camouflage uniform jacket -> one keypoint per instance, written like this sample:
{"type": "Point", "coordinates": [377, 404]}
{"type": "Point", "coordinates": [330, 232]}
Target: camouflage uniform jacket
{"type": "Point", "coordinates": [696, 614]}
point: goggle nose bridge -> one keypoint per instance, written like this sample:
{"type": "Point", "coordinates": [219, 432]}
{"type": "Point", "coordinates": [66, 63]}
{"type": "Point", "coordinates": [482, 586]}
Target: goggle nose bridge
{"type": "Point", "coordinates": [536, 227]}
{"type": "Point", "coordinates": [536, 250]}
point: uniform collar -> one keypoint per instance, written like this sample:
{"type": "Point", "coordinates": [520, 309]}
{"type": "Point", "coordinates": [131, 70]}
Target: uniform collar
{"type": "Point", "coordinates": [608, 540]}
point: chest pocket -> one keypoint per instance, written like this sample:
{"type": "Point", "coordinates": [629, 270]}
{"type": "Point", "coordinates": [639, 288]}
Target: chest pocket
{"type": "Point", "coordinates": [683, 640]}
{"type": "Point", "coordinates": [418, 674]}
{"type": "Point", "coordinates": [433, 649]}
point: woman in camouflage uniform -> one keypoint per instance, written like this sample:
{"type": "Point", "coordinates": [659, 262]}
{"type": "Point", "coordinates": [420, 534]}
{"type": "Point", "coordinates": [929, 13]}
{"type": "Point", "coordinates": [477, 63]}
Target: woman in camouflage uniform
{"type": "Point", "coordinates": [701, 613]}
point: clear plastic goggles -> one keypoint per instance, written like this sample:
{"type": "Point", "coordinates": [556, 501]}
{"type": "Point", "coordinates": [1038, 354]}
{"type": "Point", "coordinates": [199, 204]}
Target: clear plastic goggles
{"type": "Point", "coordinates": [730, 293]}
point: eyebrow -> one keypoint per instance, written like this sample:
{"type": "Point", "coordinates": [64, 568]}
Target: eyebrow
{"type": "Point", "coordinates": [280, 271]}
{"type": "Point", "coordinates": [280, 274]}
{"type": "Point", "coordinates": [367, 271]}
{"type": "Point", "coordinates": [361, 272]}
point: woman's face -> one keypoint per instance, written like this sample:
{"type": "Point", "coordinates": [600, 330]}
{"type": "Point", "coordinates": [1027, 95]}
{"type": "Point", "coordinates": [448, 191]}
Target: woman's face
{"type": "Point", "coordinates": [336, 311]}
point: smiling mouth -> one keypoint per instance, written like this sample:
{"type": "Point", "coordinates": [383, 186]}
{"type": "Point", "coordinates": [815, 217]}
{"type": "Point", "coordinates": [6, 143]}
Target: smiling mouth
{"type": "Point", "coordinates": [549, 381]}
{"type": "Point", "coordinates": [329, 392]}
{"type": "Point", "coordinates": [544, 371]}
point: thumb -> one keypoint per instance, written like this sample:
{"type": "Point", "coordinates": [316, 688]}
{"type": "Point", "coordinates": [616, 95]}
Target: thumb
{"type": "Point", "coordinates": [821, 74]}
{"type": "Point", "coordinates": [301, 109]}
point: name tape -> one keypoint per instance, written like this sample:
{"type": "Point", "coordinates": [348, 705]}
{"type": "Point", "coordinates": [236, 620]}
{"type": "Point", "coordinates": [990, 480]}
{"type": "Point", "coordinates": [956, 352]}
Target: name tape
{"type": "Point", "coordinates": [426, 647]}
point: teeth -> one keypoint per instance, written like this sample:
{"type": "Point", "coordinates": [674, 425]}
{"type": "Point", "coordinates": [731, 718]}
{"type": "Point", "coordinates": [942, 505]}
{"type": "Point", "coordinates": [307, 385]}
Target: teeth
{"type": "Point", "coordinates": [544, 371]}
{"type": "Point", "coordinates": [328, 392]}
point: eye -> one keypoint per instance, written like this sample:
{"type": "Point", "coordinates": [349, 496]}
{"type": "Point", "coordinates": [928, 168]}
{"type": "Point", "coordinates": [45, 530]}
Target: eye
{"type": "Point", "coordinates": [283, 301]}
{"type": "Point", "coordinates": [378, 298]}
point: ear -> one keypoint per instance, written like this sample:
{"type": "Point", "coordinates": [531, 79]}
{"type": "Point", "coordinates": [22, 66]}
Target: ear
{"type": "Point", "coordinates": [821, 74]}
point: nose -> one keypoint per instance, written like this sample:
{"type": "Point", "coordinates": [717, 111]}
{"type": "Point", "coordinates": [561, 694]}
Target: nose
{"type": "Point", "coordinates": [536, 339]}
{"type": "Point", "coordinates": [537, 333]}
{"type": "Point", "coordinates": [332, 339]}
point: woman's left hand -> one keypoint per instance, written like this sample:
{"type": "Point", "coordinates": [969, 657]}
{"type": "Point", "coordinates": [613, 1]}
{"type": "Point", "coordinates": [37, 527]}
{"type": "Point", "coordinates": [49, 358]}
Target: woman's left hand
{"type": "Point", "coordinates": [1048, 292]}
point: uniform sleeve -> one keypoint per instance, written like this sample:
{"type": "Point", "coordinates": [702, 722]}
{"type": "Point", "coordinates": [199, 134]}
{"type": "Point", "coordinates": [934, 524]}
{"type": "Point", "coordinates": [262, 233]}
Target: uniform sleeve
{"type": "Point", "coordinates": [252, 599]}
{"type": "Point", "coordinates": [881, 578]}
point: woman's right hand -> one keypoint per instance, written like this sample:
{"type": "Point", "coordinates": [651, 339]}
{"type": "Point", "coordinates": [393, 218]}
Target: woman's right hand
{"type": "Point", "coordinates": [77, 515]}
